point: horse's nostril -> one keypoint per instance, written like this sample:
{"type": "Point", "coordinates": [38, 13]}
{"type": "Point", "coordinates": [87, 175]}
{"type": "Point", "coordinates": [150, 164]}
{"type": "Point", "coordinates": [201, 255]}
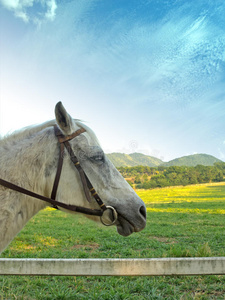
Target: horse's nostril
{"type": "Point", "coordinates": [143, 211]}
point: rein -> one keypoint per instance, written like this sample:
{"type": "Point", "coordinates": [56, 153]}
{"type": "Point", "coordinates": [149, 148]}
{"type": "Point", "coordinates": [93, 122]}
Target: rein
{"type": "Point", "coordinates": [87, 186]}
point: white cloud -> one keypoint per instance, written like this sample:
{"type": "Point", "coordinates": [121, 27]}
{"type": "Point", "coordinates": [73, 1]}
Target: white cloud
{"type": "Point", "coordinates": [25, 10]}
{"type": "Point", "coordinates": [51, 5]}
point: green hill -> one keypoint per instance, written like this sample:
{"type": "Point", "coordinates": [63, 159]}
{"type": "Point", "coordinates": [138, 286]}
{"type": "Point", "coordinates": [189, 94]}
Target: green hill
{"type": "Point", "coordinates": [192, 160]}
{"type": "Point", "coordinates": [139, 159]}
{"type": "Point", "coordinates": [134, 159]}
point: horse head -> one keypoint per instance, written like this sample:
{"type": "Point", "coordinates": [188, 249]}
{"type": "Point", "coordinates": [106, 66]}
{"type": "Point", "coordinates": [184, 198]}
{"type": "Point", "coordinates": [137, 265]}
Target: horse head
{"type": "Point", "coordinates": [104, 177]}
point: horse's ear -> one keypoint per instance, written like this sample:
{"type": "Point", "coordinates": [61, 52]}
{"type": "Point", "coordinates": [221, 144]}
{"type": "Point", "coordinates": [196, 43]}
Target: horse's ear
{"type": "Point", "coordinates": [64, 120]}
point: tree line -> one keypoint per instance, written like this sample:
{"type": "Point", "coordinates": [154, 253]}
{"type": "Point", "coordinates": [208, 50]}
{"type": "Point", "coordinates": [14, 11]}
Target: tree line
{"type": "Point", "coordinates": [144, 177]}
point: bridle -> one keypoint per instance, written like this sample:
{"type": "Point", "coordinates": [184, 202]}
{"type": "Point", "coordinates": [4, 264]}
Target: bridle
{"type": "Point", "coordinates": [87, 186]}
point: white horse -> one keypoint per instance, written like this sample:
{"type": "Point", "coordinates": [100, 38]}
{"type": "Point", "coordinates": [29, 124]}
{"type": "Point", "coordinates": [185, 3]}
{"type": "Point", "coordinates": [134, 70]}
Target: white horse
{"type": "Point", "coordinates": [29, 159]}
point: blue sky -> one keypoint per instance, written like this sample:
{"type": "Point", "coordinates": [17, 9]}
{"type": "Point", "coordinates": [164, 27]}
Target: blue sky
{"type": "Point", "coordinates": [147, 76]}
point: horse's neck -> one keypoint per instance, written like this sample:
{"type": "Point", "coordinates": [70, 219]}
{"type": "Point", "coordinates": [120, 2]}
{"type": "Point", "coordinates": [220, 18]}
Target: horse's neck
{"type": "Point", "coordinates": [26, 163]}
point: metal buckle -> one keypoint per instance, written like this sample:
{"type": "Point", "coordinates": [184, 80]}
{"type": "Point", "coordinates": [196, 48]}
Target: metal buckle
{"type": "Point", "coordinates": [115, 216]}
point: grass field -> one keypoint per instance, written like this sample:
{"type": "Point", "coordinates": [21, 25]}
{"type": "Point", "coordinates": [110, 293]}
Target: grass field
{"type": "Point", "coordinates": [182, 222]}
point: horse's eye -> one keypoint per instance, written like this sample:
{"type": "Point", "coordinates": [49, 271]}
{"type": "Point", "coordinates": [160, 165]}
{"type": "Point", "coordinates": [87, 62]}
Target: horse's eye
{"type": "Point", "coordinates": [98, 158]}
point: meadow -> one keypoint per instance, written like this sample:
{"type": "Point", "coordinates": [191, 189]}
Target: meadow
{"type": "Point", "coordinates": [181, 222]}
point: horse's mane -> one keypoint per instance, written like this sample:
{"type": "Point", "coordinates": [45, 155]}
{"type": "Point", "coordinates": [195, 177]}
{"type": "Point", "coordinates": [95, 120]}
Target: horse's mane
{"type": "Point", "coordinates": [28, 131]}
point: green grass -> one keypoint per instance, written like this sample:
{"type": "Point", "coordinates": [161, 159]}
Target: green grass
{"type": "Point", "coordinates": [182, 222]}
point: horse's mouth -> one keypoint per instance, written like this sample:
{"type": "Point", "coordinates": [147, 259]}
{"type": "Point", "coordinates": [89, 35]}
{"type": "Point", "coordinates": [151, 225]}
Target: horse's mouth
{"type": "Point", "coordinates": [124, 227]}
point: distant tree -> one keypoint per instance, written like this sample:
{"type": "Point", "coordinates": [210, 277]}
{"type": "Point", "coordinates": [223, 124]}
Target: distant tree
{"type": "Point", "coordinates": [149, 185]}
{"type": "Point", "coordinates": [145, 178]}
{"type": "Point", "coordinates": [137, 179]}
{"type": "Point", "coordinates": [220, 166]}
{"type": "Point", "coordinates": [193, 176]}
{"type": "Point", "coordinates": [219, 176]}
{"type": "Point", "coordinates": [161, 168]}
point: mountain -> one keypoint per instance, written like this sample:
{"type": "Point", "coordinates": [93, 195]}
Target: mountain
{"type": "Point", "coordinates": [139, 159]}
{"type": "Point", "coordinates": [134, 159]}
{"type": "Point", "coordinates": [193, 160]}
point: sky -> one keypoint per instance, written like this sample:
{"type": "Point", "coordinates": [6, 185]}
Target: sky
{"type": "Point", "coordinates": [146, 75]}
